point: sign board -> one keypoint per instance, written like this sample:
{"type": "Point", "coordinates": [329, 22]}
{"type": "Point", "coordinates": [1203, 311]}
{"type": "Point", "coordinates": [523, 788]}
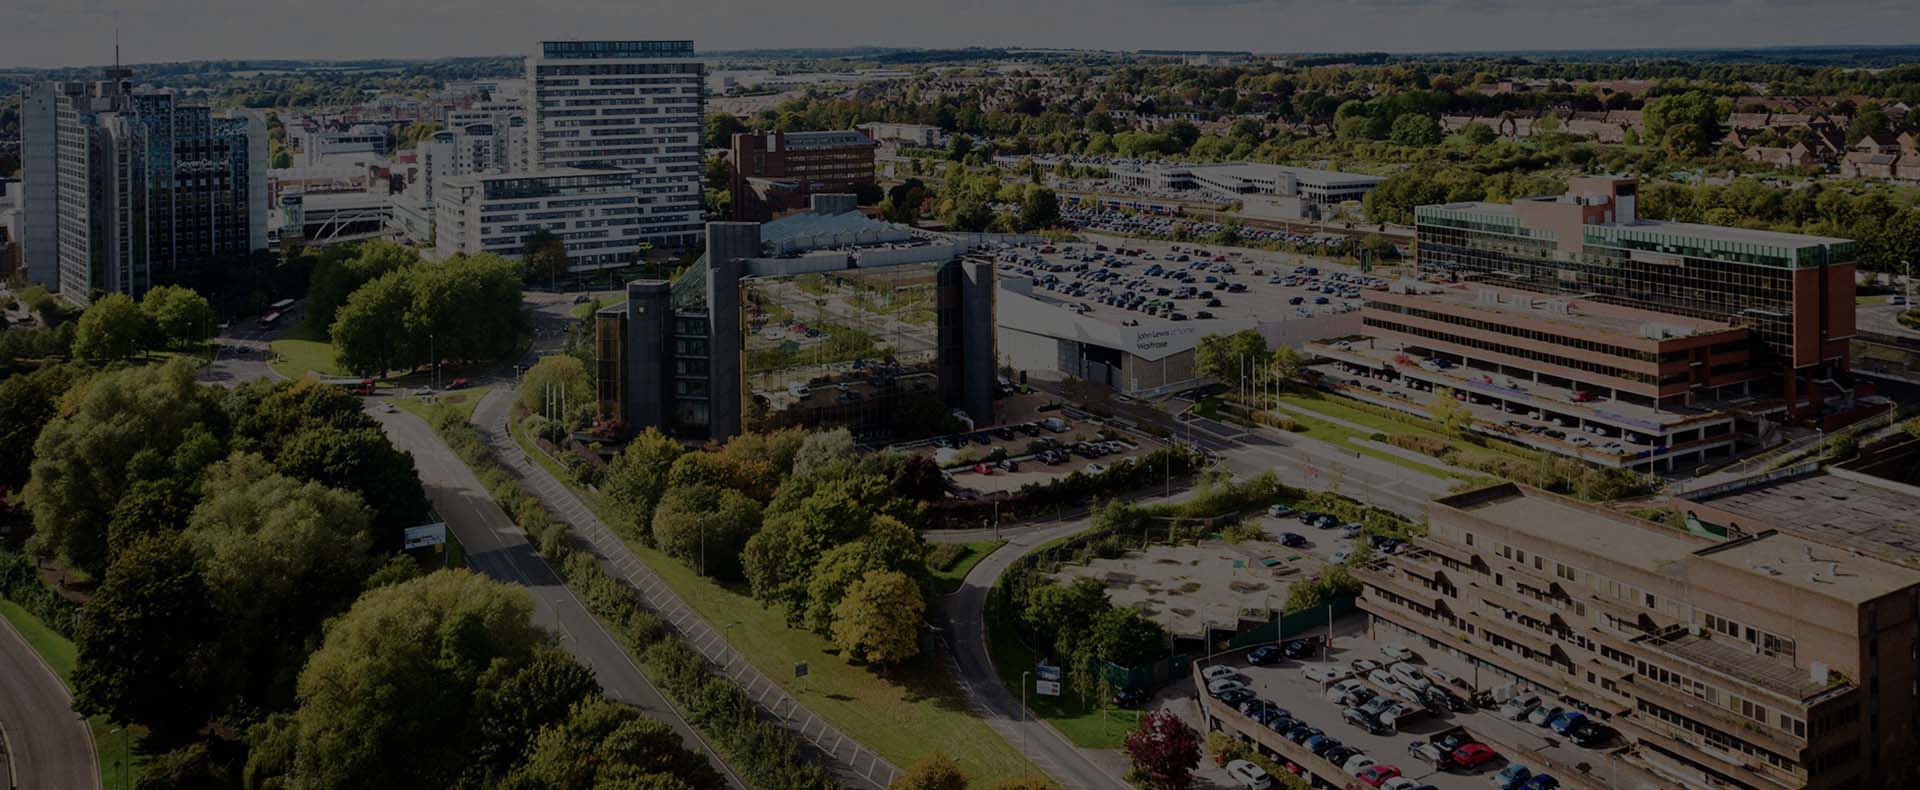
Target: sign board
{"type": "Point", "coordinates": [429, 535]}
{"type": "Point", "coordinates": [799, 670]}
{"type": "Point", "coordinates": [1044, 672]}
{"type": "Point", "coordinates": [1047, 688]}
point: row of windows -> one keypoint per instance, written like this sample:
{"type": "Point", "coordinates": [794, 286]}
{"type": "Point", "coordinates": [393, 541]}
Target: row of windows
{"type": "Point", "coordinates": [1718, 738]}
{"type": "Point", "coordinates": [1514, 331]}
{"type": "Point", "coordinates": [1512, 351]}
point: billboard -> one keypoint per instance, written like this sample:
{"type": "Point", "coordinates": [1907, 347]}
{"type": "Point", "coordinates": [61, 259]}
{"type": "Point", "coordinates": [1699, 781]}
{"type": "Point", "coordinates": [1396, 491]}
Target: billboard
{"type": "Point", "coordinates": [429, 535]}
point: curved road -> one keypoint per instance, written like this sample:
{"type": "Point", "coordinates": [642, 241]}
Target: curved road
{"type": "Point", "coordinates": [46, 743]}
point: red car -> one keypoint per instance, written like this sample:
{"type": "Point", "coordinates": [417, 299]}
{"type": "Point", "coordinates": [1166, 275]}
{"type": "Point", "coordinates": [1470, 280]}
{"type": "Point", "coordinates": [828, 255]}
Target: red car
{"type": "Point", "coordinates": [983, 468]}
{"type": "Point", "coordinates": [459, 383]}
{"type": "Point", "coordinates": [1471, 755]}
{"type": "Point", "coordinates": [1377, 775]}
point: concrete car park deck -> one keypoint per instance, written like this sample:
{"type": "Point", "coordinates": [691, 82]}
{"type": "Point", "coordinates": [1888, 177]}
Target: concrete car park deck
{"type": "Point", "coordinates": [1189, 587]}
{"type": "Point", "coordinates": [1286, 686]}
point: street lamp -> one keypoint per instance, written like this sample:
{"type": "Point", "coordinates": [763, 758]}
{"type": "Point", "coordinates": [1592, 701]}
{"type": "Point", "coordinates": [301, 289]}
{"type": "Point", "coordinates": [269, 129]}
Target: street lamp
{"type": "Point", "coordinates": [1023, 710]}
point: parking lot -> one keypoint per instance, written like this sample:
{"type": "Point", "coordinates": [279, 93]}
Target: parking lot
{"type": "Point", "coordinates": [1129, 280]}
{"type": "Point", "coordinates": [1188, 587]}
{"type": "Point", "coordinates": [1041, 458]}
{"type": "Point", "coordinates": [1287, 685]}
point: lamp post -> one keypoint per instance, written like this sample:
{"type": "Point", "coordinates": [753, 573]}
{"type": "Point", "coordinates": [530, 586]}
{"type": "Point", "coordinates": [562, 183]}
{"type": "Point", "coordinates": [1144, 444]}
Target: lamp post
{"type": "Point", "coordinates": [1023, 710]}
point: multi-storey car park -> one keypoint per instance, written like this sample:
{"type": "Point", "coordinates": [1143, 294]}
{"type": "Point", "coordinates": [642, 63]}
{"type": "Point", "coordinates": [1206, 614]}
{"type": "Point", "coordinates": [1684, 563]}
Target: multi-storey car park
{"type": "Point", "coordinates": [1727, 657]}
{"type": "Point", "coordinates": [1658, 343]}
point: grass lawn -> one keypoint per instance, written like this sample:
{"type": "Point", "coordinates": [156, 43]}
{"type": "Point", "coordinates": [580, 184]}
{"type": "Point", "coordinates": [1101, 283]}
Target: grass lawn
{"type": "Point", "coordinates": [902, 712]}
{"type": "Point", "coordinates": [949, 580]}
{"type": "Point", "coordinates": [462, 402]}
{"type": "Point", "coordinates": [109, 741]}
{"type": "Point", "coordinates": [1342, 436]}
{"type": "Point", "coordinates": [300, 350]}
{"type": "Point", "coordinates": [1336, 407]}
{"type": "Point", "coordinates": [1087, 728]}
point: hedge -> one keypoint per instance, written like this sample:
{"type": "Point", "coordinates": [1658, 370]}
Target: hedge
{"type": "Point", "coordinates": [20, 583]}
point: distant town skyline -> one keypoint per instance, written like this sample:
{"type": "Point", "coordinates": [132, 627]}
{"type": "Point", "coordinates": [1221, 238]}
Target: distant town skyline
{"type": "Point", "coordinates": [58, 33]}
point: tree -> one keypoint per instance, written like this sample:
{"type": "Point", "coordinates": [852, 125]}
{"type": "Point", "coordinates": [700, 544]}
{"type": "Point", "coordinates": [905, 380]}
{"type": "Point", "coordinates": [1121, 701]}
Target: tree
{"type": "Point", "coordinates": [821, 450]}
{"type": "Point", "coordinates": [1164, 751]}
{"type": "Point", "coordinates": [888, 546]}
{"type": "Point", "coordinates": [806, 518]}
{"type": "Point", "coordinates": [1286, 363]}
{"type": "Point", "coordinates": [1056, 612]}
{"type": "Point", "coordinates": [110, 329]}
{"type": "Point", "coordinates": [1415, 129]}
{"type": "Point", "coordinates": [516, 703]}
{"type": "Point", "coordinates": [1453, 415]}
{"type": "Point", "coordinates": [1039, 208]}
{"type": "Point", "coordinates": [932, 771]}
{"type": "Point", "coordinates": [545, 255]}
{"type": "Point", "coordinates": [879, 619]}
{"type": "Point", "coordinates": [370, 332]}
{"type": "Point", "coordinates": [139, 639]}
{"type": "Point", "coordinates": [1686, 122]}
{"type": "Point", "coordinates": [558, 380]}
{"type": "Point", "coordinates": [705, 527]}
{"type": "Point", "coordinates": [1377, 245]}
{"type": "Point", "coordinates": [637, 477]}
{"type": "Point", "coordinates": [339, 271]}
{"type": "Point", "coordinates": [28, 401]}
{"type": "Point", "coordinates": [606, 744]}
{"type": "Point", "coordinates": [181, 315]}
{"type": "Point", "coordinates": [363, 461]}
{"type": "Point", "coordinates": [1870, 121]}
{"type": "Point", "coordinates": [1230, 358]}
{"type": "Point", "coordinates": [1122, 635]}
{"type": "Point", "coordinates": [389, 698]}
{"type": "Point", "coordinates": [958, 147]}
{"type": "Point", "coordinates": [84, 460]}
{"type": "Point", "coordinates": [721, 127]}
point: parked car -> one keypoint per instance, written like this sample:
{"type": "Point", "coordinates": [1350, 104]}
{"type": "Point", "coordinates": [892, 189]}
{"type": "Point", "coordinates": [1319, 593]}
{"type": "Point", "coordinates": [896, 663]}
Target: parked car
{"type": "Point", "coordinates": [1411, 676]}
{"type": "Point", "coordinates": [1218, 671]}
{"type": "Point", "coordinates": [1427, 753]}
{"type": "Point", "coordinates": [1293, 539]}
{"type": "Point", "coordinates": [1377, 775]}
{"type": "Point", "coordinates": [1366, 721]}
{"type": "Point", "coordinates": [1279, 511]}
{"type": "Point", "coordinates": [1264, 655]}
{"type": "Point", "coordinates": [1357, 763]}
{"type": "Point", "coordinates": [1338, 693]}
{"type": "Point", "coordinates": [1248, 775]}
{"type": "Point", "coordinates": [1129, 697]}
{"type": "Point", "coordinates": [1362, 666]}
{"type": "Point", "coordinates": [1516, 709]}
{"type": "Point", "coordinates": [1300, 648]}
{"type": "Point", "coordinates": [1322, 744]}
{"type": "Point", "coordinates": [1320, 673]}
{"type": "Point", "coordinates": [1301, 733]}
{"type": "Point", "coordinates": [1590, 734]}
{"type": "Point", "coordinates": [1566, 721]}
{"type": "Point", "coordinates": [1512, 776]}
{"type": "Point", "coordinates": [1223, 685]}
{"type": "Point", "coordinates": [1236, 696]}
{"type": "Point", "coordinates": [1471, 755]}
{"type": "Point", "coordinates": [1397, 651]}
{"type": "Point", "coordinates": [1539, 717]}
{"type": "Point", "coordinates": [1340, 557]}
{"type": "Point", "coordinates": [1540, 782]}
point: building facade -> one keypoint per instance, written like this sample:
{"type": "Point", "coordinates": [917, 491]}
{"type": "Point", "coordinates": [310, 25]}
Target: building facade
{"type": "Point", "coordinates": [776, 172]}
{"type": "Point", "coordinates": [145, 186]}
{"type": "Point", "coordinates": [1794, 294]}
{"type": "Point", "coordinates": [809, 320]}
{"type": "Point", "coordinates": [598, 214]}
{"type": "Point", "coordinates": [636, 106]}
{"type": "Point", "coordinates": [1731, 659]}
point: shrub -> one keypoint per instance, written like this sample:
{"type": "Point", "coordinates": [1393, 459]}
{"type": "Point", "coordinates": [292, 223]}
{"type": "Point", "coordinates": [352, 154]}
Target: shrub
{"type": "Point", "coordinates": [946, 555]}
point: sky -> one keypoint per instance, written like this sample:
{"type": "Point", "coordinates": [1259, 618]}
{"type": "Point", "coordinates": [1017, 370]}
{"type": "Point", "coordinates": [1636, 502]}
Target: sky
{"type": "Point", "coordinates": [79, 32]}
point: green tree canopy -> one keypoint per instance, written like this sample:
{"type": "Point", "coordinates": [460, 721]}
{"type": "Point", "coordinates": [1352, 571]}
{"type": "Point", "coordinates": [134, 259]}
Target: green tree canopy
{"type": "Point", "coordinates": [112, 328]}
{"type": "Point", "coordinates": [879, 619]}
{"type": "Point", "coordinates": [181, 315]}
{"type": "Point", "coordinates": [605, 744]}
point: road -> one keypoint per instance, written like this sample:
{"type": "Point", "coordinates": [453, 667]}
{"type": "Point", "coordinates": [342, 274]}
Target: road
{"type": "Point", "coordinates": [46, 743]}
{"type": "Point", "coordinates": [850, 761]}
{"type": "Point", "coordinates": [964, 632]}
{"type": "Point", "coordinates": [497, 548]}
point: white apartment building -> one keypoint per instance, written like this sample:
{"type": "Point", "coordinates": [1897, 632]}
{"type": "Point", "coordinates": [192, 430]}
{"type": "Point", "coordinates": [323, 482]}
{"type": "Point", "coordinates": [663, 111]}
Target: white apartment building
{"type": "Point", "coordinates": [634, 105]}
{"type": "Point", "coordinates": [597, 213]}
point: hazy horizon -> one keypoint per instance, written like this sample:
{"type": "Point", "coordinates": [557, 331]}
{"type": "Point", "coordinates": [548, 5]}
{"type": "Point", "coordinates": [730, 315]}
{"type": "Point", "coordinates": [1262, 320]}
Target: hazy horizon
{"type": "Point", "coordinates": [69, 33]}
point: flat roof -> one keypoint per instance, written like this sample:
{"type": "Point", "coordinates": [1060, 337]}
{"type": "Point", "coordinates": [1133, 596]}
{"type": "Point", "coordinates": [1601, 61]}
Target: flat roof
{"type": "Point", "coordinates": [1742, 663]}
{"type": "Point", "coordinates": [1581, 313]}
{"type": "Point", "coordinates": [1777, 557]}
{"type": "Point", "coordinates": [1686, 229]}
{"type": "Point", "coordinates": [1843, 508]}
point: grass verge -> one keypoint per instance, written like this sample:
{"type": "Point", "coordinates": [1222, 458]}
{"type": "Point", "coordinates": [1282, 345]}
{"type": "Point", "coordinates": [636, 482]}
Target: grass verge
{"type": "Point", "coordinates": [300, 350]}
{"type": "Point", "coordinates": [1088, 727]}
{"type": "Point", "coordinates": [463, 402]}
{"type": "Point", "coordinates": [947, 581]}
{"type": "Point", "coordinates": [110, 743]}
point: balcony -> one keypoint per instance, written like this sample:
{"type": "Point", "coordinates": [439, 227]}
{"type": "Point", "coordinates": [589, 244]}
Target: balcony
{"type": "Point", "coordinates": [1737, 667]}
{"type": "Point", "coordinates": [1720, 718]}
{"type": "Point", "coordinates": [1695, 748]}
